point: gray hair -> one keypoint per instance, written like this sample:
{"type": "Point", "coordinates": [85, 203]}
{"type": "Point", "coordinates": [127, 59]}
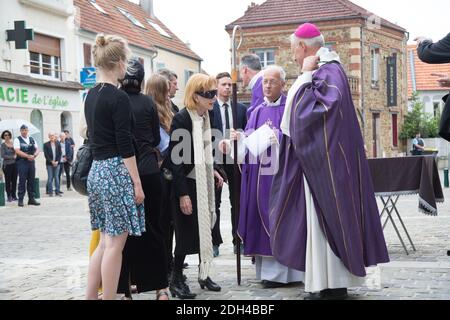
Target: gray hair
{"type": "Point", "coordinates": [168, 74]}
{"type": "Point", "coordinates": [251, 61]}
{"type": "Point", "coordinates": [278, 69]}
{"type": "Point", "coordinates": [316, 42]}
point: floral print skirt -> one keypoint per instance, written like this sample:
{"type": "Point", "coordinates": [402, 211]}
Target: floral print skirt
{"type": "Point", "coordinates": [111, 199]}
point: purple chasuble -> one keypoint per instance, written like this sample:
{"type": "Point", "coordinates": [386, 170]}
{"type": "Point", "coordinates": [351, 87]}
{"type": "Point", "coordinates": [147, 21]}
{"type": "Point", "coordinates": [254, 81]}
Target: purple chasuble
{"type": "Point", "coordinates": [257, 96]}
{"type": "Point", "coordinates": [326, 146]}
{"type": "Point", "coordinates": [256, 185]}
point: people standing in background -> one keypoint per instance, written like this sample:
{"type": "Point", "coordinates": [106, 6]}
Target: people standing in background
{"type": "Point", "coordinates": [9, 165]}
{"type": "Point", "coordinates": [66, 158]}
{"type": "Point", "coordinates": [418, 145]}
{"type": "Point", "coordinates": [53, 154]}
{"type": "Point", "coordinates": [144, 258]}
{"type": "Point", "coordinates": [251, 76]}
{"type": "Point", "coordinates": [173, 86]}
{"type": "Point", "coordinates": [69, 139]}
{"type": "Point", "coordinates": [158, 88]}
{"type": "Point", "coordinates": [27, 151]}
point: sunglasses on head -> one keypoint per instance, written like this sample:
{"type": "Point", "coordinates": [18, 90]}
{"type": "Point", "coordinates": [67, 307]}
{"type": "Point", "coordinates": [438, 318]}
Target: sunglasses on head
{"type": "Point", "coordinates": [208, 94]}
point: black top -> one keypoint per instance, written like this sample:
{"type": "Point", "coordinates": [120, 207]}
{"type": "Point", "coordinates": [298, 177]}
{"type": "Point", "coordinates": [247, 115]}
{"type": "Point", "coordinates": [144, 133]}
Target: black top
{"type": "Point", "coordinates": [146, 132]}
{"type": "Point", "coordinates": [109, 122]}
{"type": "Point", "coordinates": [48, 152]}
{"type": "Point", "coordinates": [435, 52]}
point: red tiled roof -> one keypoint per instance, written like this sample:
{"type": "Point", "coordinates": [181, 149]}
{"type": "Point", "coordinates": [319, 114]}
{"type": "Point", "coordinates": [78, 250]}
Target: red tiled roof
{"type": "Point", "coordinates": [91, 19]}
{"type": "Point", "coordinates": [279, 12]}
{"type": "Point", "coordinates": [424, 80]}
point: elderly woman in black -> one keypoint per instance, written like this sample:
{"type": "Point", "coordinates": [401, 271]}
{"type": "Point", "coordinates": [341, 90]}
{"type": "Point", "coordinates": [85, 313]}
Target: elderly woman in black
{"type": "Point", "coordinates": [9, 165]}
{"type": "Point", "coordinates": [191, 161]}
{"type": "Point", "coordinates": [144, 258]}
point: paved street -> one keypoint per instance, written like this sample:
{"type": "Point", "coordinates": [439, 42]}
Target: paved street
{"type": "Point", "coordinates": [44, 255]}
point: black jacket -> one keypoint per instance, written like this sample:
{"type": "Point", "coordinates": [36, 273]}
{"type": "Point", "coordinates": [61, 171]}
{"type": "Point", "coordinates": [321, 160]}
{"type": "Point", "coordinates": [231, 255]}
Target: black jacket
{"type": "Point", "coordinates": [146, 132]}
{"type": "Point", "coordinates": [436, 53]}
{"type": "Point", "coordinates": [49, 153]}
{"type": "Point", "coordinates": [182, 120]}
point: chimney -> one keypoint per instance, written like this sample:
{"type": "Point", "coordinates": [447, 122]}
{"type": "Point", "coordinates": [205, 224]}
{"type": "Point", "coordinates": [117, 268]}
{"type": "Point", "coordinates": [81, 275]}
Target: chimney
{"type": "Point", "coordinates": [147, 5]}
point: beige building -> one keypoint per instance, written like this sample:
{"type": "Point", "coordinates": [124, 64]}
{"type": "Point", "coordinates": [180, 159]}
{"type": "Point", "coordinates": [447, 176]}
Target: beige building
{"type": "Point", "coordinates": [368, 47]}
{"type": "Point", "coordinates": [150, 40]}
{"type": "Point", "coordinates": [40, 84]}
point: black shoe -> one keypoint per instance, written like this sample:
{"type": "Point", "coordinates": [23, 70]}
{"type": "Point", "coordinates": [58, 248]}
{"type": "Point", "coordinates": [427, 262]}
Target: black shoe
{"type": "Point", "coordinates": [272, 284]}
{"type": "Point", "coordinates": [33, 202]}
{"type": "Point", "coordinates": [50, 195]}
{"type": "Point", "coordinates": [448, 253]}
{"type": "Point", "coordinates": [20, 203]}
{"type": "Point", "coordinates": [10, 199]}
{"type": "Point", "coordinates": [329, 294]}
{"type": "Point", "coordinates": [14, 198]}
{"type": "Point", "coordinates": [185, 265]}
{"type": "Point", "coordinates": [179, 288]}
{"type": "Point", "coordinates": [209, 284]}
{"type": "Point", "coordinates": [59, 194]}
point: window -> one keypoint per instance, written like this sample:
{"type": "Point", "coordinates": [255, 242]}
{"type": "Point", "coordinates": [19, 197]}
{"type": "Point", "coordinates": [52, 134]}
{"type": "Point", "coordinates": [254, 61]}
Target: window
{"type": "Point", "coordinates": [158, 28]}
{"type": "Point", "coordinates": [375, 66]}
{"type": "Point", "coordinates": [394, 131]}
{"type": "Point", "coordinates": [437, 109]}
{"type": "Point", "coordinates": [131, 18]}
{"type": "Point", "coordinates": [87, 53]}
{"type": "Point", "coordinates": [187, 75]}
{"type": "Point", "coordinates": [45, 65]}
{"type": "Point", "coordinates": [267, 56]}
{"type": "Point", "coordinates": [160, 65]}
{"type": "Point", "coordinates": [96, 6]}
{"type": "Point", "coordinates": [45, 57]}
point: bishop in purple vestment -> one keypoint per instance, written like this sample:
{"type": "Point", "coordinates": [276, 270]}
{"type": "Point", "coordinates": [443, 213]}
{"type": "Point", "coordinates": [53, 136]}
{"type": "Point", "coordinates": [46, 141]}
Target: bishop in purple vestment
{"type": "Point", "coordinates": [324, 218]}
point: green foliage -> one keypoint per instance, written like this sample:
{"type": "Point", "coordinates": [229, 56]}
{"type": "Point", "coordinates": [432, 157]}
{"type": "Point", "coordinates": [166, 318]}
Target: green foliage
{"type": "Point", "coordinates": [417, 121]}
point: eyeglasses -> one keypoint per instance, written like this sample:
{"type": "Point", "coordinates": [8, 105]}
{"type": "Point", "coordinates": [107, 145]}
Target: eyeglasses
{"type": "Point", "coordinates": [208, 94]}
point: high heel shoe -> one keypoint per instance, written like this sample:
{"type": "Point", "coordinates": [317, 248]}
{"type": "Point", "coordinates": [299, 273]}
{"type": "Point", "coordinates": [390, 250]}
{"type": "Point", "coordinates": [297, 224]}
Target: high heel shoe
{"type": "Point", "coordinates": [179, 288]}
{"type": "Point", "coordinates": [209, 284]}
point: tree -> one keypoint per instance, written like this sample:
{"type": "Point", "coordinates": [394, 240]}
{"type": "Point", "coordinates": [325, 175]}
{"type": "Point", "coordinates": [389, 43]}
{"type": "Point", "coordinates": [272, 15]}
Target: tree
{"type": "Point", "coordinates": [417, 121]}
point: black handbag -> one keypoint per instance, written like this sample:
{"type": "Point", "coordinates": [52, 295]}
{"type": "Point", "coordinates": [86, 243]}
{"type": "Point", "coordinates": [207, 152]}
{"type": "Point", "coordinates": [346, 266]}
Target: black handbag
{"type": "Point", "coordinates": [80, 169]}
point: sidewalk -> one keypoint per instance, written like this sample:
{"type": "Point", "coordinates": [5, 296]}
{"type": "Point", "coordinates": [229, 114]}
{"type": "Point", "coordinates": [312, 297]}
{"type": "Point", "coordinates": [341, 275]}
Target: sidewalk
{"type": "Point", "coordinates": [44, 255]}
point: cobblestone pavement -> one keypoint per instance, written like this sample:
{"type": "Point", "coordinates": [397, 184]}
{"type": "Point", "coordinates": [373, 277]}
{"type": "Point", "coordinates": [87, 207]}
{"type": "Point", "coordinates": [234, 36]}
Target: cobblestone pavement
{"type": "Point", "coordinates": [44, 255]}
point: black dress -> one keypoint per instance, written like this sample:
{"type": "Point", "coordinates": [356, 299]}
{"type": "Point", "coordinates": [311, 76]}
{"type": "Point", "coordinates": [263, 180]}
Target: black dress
{"type": "Point", "coordinates": [144, 261]}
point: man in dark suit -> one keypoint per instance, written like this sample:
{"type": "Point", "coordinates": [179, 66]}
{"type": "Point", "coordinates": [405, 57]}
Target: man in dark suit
{"type": "Point", "coordinates": [436, 53]}
{"type": "Point", "coordinates": [222, 120]}
{"type": "Point", "coordinates": [53, 153]}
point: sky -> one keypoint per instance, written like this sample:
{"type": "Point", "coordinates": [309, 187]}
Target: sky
{"type": "Point", "coordinates": [202, 22]}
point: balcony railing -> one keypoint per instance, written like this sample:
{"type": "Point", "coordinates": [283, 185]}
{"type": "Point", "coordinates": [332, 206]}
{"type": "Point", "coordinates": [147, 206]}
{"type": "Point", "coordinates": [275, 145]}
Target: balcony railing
{"type": "Point", "coordinates": [354, 85]}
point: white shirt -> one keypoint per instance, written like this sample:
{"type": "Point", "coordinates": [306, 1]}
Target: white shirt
{"type": "Point", "coordinates": [17, 142]}
{"type": "Point", "coordinates": [53, 145]}
{"type": "Point", "coordinates": [222, 114]}
{"type": "Point", "coordinates": [63, 151]}
{"type": "Point", "coordinates": [276, 103]}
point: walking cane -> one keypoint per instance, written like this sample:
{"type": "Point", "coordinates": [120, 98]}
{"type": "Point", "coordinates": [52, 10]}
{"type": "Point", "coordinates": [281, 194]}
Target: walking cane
{"type": "Point", "coordinates": [237, 186]}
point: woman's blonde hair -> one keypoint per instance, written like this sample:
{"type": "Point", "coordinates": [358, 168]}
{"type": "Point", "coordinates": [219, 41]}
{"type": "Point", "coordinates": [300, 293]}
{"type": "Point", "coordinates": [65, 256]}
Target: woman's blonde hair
{"type": "Point", "coordinates": [157, 87]}
{"type": "Point", "coordinates": [109, 51]}
{"type": "Point", "coordinates": [197, 83]}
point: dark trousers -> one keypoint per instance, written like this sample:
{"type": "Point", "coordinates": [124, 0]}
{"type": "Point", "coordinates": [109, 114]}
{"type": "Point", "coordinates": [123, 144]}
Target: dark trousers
{"type": "Point", "coordinates": [27, 174]}
{"type": "Point", "coordinates": [10, 171]}
{"type": "Point", "coordinates": [217, 238]}
{"type": "Point", "coordinates": [65, 166]}
{"type": "Point", "coordinates": [167, 224]}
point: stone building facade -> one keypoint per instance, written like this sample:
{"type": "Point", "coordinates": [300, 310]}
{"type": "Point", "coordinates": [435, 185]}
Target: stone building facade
{"type": "Point", "coordinates": [365, 43]}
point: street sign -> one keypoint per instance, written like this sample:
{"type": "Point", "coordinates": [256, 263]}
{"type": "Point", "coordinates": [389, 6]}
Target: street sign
{"type": "Point", "coordinates": [88, 77]}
